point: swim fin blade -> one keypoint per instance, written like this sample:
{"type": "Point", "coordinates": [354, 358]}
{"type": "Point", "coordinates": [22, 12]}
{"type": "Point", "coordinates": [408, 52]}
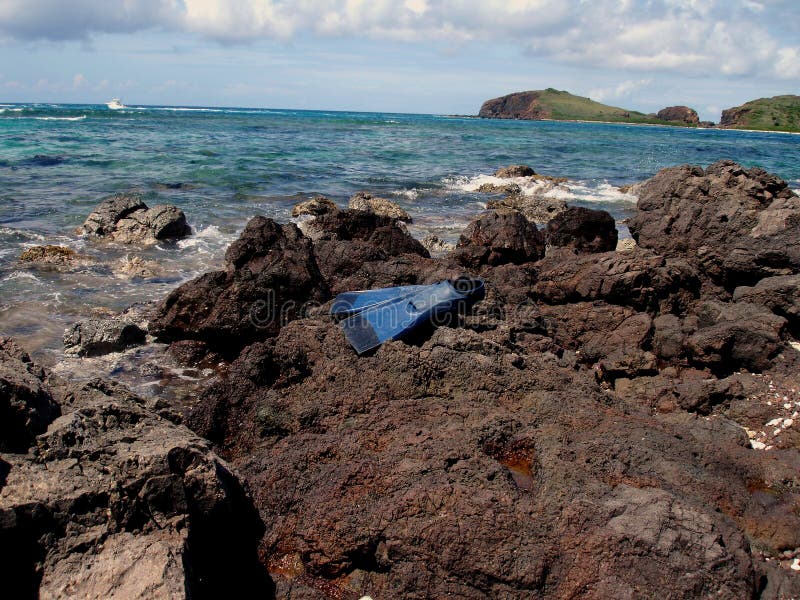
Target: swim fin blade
{"type": "Point", "coordinates": [396, 312]}
{"type": "Point", "coordinates": [351, 303]}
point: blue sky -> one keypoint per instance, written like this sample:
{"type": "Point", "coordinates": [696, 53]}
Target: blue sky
{"type": "Point", "coordinates": [429, 56]}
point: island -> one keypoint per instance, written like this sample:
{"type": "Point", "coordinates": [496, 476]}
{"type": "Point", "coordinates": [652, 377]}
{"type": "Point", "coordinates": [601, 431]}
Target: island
{"type": "Point", "coordinates": [558, 105]}
{"type": "Point", "coordinates": [779, 113]}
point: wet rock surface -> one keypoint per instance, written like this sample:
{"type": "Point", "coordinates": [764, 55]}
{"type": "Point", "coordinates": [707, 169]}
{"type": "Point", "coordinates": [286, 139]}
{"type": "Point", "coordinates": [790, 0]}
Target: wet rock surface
{"type": "Point", "coordinates": [51, 256]}
{"type": "Point", "coordinates": [126, 219]}
{"type": "Point", "coordinates": [603, 424]}
{"type": "Point", "coordinates": [115, 502]}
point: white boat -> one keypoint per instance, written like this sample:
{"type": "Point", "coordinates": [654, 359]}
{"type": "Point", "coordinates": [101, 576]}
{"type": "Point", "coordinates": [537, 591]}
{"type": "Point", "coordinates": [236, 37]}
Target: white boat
{"type": "Point", "coordinates": [115, 104]}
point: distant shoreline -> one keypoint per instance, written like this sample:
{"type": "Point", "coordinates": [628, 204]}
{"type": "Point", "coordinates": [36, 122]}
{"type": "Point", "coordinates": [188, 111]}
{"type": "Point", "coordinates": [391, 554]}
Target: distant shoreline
{"type": "Point", "coordinates": [715, 128]}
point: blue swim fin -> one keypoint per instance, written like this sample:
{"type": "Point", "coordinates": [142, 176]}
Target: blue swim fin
{"type": "Point", "coordinates": [350, 303]}
{"type": "Point", "coordinates": [400, 313]}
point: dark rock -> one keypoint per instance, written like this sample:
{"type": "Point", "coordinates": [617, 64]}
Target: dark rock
{"type": "Point", "coordinates": [781, 295]}
{"type": "Point", "coordinates": [103, 219]}
{"type": "Point", "coordinates": [596, 330]}
{"type": "Point", "coordinates": [679, 114]}
{"type": "Point", "coordinates": [377, 230]}
{"type": "Point", "coordinates": [94, 337]}
{"type": "Point", "coordinates": [626, 362]}
{"type": "Point", "coordinates": [318, 205]}
{"type": "Point", "coordinates": [364, 201]}
{"type": "Point", "coordinates": [126, 219]}
{"type": "Point", "coordinates": [514, 171]}
{"type": "Point", "coordinates": [329, 442]}
{"type": "Point", "coordinates": [537, 208]}
{"type": "Point", "coordinates": [120, 503]}
{"type": "Point", "coordinates": [271, 278]}
{"type": "Point", "coordinates": [582, 229]}
{"type": "Point", "coordinates": [26, 404]}
{"type": "Point", "coordinates": [735, 336]}
{"type": "Point", "coordinates": [740, 225]}
{"type": "Point", "coordinates": [498, 237]}
{"type": "Point", "coordinates": [638, 278]}
{"type": "Point", "coordinates": [161, 222]}
{"type": "Point", "coordinates": [194, 353]}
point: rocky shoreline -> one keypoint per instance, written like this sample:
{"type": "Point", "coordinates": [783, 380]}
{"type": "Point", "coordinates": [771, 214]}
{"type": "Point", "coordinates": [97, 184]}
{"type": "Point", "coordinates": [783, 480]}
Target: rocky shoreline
{"type": "Point", "coordinates": [605, 423]}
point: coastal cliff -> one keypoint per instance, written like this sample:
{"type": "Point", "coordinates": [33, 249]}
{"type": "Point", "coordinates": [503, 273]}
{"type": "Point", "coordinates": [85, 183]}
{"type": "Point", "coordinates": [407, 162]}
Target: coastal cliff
{"type": "Point", "coordinates": [779, 113]}
{"type": "Point", "coordinates": [560, 106]}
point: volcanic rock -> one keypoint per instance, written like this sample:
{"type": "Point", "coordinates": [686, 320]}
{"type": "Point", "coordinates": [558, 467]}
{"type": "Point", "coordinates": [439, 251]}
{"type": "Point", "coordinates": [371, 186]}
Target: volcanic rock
{"type": "Point", "coordinates": [468, 426]}
{"type": "Point", "coordinates": [103, 219]}
{"type": "Point", "coordinates": [126, 219]}
{"type": "Point", "coordinates": [537, 208]}
{"type": "Point", "coordinates": [638, 278]}
{"type": "Point", "coordinates": [117, 502]}
{"type": "Point", "coordinates": [94, 337]}
{"type": "Point", "coordinates": [582, 229]}
{"type": "Point", "coordinates": [498, 237]}
{"type": "Point", "coordinates": [741, 224]}
{"type": "Point", "coordinates": [781, 295]}
{"type": "Point", "coordinates": [515, 171]}
{"type": "Point", "coordinates": [270, 278]}
{"type": "Point", "coordinates": [680, 114]}
{"type": "Point", "coordinates": [26, 405]}
{"type": "Point", "coordinates": [366, 202]}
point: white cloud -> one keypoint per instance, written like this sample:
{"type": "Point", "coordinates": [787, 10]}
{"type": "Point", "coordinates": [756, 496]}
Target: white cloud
{"type": "Point", "coordinates": [697, 37]}
{"type": "Point", "coordinates": [624, 89]}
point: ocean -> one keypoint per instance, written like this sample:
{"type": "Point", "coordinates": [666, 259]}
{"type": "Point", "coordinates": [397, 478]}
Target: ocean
{"type": "Point", "coordinates": [225, 165]}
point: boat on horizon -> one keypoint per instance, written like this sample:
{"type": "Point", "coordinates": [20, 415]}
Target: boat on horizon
{"type": "Point", "coordinates": [115, 104]}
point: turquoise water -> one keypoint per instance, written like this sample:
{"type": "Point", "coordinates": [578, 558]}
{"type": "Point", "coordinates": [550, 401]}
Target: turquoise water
{"type": "Point", "coordinates": [222, 166]}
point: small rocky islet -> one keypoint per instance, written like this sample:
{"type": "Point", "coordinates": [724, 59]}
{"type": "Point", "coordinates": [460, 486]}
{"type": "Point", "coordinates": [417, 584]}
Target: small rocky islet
{"type": "Point", "coordinates": [606, 423]}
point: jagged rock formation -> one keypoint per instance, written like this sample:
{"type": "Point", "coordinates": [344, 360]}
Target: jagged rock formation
{"type": "Point", "coordinates": [594, 428]}
{"type": "Point", "coordinates": [113, 501]}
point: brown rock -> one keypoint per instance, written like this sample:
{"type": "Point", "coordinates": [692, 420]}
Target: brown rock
{"type": "Point", "coordinates": [366, 202]}
{"type": "Point", "coordinates": [583, 230]}
{"type": "Point", "coordinates": [680, 114]}
{"type": "Point", "coordinates": [319, 205]}
{"type": "Point", "coordinates": [498, 237]}
{"type": "Point", "coordinates": [515, 171]}
{"type": "Point", "coordinates": [738, 224]}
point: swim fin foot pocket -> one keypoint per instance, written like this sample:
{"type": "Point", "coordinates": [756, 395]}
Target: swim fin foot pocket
{"type": "Point", "coordinates": [371, 317]}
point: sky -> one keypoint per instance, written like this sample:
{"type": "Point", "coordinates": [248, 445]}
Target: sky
{"type": "Point", "coordinates": [413, 56]}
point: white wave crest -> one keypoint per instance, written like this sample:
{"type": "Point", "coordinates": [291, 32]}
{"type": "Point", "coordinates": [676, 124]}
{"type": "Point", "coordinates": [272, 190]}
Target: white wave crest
{"type": "Point", "coordinates": [584, 191]}
{"type": "Point", "coordinates": [602, 192]}
{"type": "Point", "coordinates": [22, 233]}
{"type": "Point", "coordinates": [206, 240]}
{"type": "Point", "coordinates": [411, 194]}
{"type": "Point", "coordinates": [81, 118]}
{"type": "Point", "coordinates": [527, 185]}
{"type": "Point", "coordinates": [21, 275]}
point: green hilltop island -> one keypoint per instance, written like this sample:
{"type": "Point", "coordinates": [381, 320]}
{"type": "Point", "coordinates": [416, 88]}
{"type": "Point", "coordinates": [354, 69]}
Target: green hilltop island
{"type": "Point", "coordinates": [781, 113]}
